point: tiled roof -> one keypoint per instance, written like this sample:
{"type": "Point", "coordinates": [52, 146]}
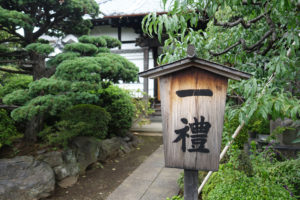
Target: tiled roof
{"type": "Point", "coordinates": [130, 7]}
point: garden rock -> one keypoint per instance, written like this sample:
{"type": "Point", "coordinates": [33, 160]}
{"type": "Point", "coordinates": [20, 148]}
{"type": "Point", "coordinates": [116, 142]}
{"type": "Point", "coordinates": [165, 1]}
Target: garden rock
{"type": "Point", "coordinates": [86, 150]}
{"type": "Point", "coordinates": [68, 182]}
{"type": "Point", "coordinates": [126, 147]}
{"type": "Point", "coordinates": [70, 166]}
{"type": "Point", "coordinates": [24, 178]}
{"type": "Point", "coordinates": [135, 141]}
{"type": "Point", "coordinates": [53, 158]}
{"type": "Point", "coordinates": [110, 148]}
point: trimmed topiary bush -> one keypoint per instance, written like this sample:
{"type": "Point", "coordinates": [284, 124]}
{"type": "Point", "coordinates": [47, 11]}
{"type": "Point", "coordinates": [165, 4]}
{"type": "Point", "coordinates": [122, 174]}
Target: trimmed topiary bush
{"type": "Point", "coordinates": [95, 118]}
{"type": "Point", "coordinates": [8, 131]}
{"type": "Point", "coordinates": [40, 48]}
{"type": "Point", "coordinates": [82, 48]}
{"type": "Point", "coordinates": [119, 104]}
{"type": "Point", "coordinates": [111, 42]}
{"type": "Point", "coordinates": [59, 58]}
{"type": "Point", "coordinates": [79, 75]}
{"type": "Point", "coordinates": [117, 68]}
{"type": "Point", "coordinates": [79, 120]}
{"type": "Point", "coordinates": [98, 41]}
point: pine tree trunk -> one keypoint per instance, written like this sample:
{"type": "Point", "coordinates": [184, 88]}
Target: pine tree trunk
{"type": "Point", "coordinates": [36, 124]}
{"type": "Point", "coordinates": [33, 127]}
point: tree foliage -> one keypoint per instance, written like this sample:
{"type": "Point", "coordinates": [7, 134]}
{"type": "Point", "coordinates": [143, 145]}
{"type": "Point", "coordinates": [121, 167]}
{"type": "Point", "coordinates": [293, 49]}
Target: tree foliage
{"type": "Point", "coordinates": [119, 104]}
{"type": "Point", "coordinates": [77, 80]}
{"type": "Point", "coordinates": [78, 120]}
{"type": "Point", "coordinates": [259, 37]}
{"type": "Point", "coordinates": [23, 22]}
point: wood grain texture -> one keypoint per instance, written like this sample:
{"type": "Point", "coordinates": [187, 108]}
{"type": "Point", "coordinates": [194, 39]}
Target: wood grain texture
{"type": "Point", "coordinates": [191, 184]}
{"type": "Point", "coordinates": [174, 108]}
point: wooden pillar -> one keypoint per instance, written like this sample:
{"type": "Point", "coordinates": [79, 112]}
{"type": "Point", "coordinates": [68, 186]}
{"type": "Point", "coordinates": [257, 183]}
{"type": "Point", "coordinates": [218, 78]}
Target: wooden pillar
{"type": "Point", "coordinates": [190, 184]}
{"type": "Point", "coordinates": [155, 56]}
{"type": "Point", "coordinates": [146, 67]}
{"type": "Point", "coordinates": [120, 34]}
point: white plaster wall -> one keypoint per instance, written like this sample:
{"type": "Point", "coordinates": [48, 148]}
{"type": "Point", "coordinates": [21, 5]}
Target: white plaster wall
{"type": "Point", "coordinates": [104, 30]}
{"type": "Point", "coordinates": [138, 60]}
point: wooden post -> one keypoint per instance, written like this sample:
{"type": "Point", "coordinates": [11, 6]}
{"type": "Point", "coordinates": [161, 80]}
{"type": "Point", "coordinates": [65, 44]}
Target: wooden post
{"type": "Point", "coordinates": [146, 67]}
{"type": "Point", "coordinates": [190, 184]}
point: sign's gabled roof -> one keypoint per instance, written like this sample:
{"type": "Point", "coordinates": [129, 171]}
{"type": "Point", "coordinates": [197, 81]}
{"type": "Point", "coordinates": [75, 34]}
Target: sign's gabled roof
{"type": "Point", "coordinates": [215, 68]}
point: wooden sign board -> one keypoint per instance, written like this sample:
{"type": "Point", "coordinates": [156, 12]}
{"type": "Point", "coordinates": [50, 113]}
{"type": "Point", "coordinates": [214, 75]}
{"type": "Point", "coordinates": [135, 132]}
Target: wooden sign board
{"type": "Point", "coordinates": [193, 102]}
{"type": "Point", "coordinates": [193, 95]}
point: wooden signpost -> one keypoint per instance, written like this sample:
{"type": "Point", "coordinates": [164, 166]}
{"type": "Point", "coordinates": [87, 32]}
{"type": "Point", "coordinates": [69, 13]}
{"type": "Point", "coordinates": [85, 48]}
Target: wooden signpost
{"type": "Point", "coordinates": [193, 95]}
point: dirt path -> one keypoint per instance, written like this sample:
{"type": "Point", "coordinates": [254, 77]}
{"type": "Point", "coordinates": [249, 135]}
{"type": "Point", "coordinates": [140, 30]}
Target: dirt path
{"type": "Point", "coordinates": [97, 184]}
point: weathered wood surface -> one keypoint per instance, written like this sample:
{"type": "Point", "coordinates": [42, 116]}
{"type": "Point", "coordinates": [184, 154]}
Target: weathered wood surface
{"type": "Point", "coordinates": [146, 67]}
{"type": "Point", "coordinates": [190, 184]}
{"type": "Point", "coordinates": [174, 108]}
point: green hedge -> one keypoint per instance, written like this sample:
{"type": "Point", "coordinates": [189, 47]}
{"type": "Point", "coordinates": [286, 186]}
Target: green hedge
{"type": "Point", "coordinates": [264, 180]}
{"type": "Point", "coordinates": [228, 184]}
{"type": "Point", "coordinates": [78, 120]}
{"type": "Point", "coordinates": [119, 104]}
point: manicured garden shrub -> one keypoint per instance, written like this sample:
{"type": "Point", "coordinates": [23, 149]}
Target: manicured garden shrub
{"type": "Point", "coordinates": [117, 68]}
{"type": "Point", "coordinates": [230, 184]}
{"type": "Point", "coordinates": [119, 104]}
{"type": "Point", "coordinates": [287, 174]}
{"type": "Point", "coordinates": [266, 180]}
{"type": "Point", "coordinates": [98, 41]}
{"type": "Point", "coordinates": [103, 50]}
{"type": "Point", "coordinates": [59, 58]}
{"type": "Point", "coordinates": [40, 48]}
{"type": "Point", "coordinates": [78, 120]}
{"type": "Point", "coordinates": [8, 131]}
{"type": "Point", "coordinates": [111, 42]}
{"type": "Point", "coordinates": [82, 48]}
{"type": "Point", "coordinates": [95, 118]}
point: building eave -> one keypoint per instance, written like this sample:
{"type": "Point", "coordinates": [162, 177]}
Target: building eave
{"type": "Point", "coordinates": [184, 63]}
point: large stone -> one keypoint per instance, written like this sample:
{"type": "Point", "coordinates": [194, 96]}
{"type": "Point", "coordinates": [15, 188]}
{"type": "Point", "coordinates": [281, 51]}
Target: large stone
{"type": "Point", "coordinates": [53, 158]}
{"type": "Point", "coordinates": [69, 167]}
{"type": "Point", "coordinates": [86, 150]}
{"type": "Point", "coordinates": [110, 148]}
{"type": "Point", "coordinates": [24, 178]}
{"type": "Point", "coordinates": [68, 182]}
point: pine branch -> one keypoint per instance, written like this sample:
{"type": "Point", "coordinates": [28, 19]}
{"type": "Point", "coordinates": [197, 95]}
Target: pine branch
{"type": "Point", "coordinates": [10, 40]}
{"type": "Point", "coordinates": [11, 31]}
{"type": "Point", "coordinates": [14, 54]}
{"type": "Point", "coordinates": [8, 107]}
{"type": "Point", "coordinates": [15, 71]}
{"type": "Point", "coordinates": [17, 62]}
